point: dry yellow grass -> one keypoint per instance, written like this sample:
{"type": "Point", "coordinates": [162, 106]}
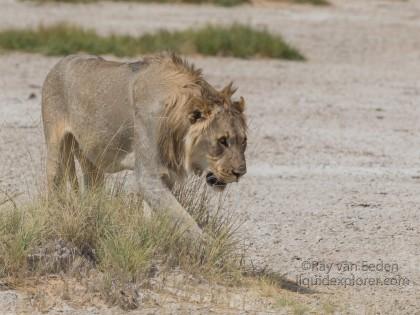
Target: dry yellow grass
{"type": "Point", "coordinates": [113, 233]}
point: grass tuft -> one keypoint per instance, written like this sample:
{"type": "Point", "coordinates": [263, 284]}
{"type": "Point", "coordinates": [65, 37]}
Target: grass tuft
{"type": "Point", "coordinates": [112, 233]}
{"type": "Point", "coordinates": [235, 41]}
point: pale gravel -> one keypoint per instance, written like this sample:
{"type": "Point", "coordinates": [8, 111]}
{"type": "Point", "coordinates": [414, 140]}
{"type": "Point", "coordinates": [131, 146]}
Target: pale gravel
{"type": "Point", "coordinates": [334, 153]}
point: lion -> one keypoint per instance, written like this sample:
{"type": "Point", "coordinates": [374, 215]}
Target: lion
{"type": "Point", "coordinates": [157, 116]}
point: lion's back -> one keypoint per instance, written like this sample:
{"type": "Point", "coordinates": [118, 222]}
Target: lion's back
{"type": "Point", "coordinates": [60, 78]}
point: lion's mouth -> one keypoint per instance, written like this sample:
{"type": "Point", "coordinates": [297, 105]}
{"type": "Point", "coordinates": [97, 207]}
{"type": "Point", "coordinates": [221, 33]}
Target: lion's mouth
{"type": "Point", "coordinates": [214, 182]}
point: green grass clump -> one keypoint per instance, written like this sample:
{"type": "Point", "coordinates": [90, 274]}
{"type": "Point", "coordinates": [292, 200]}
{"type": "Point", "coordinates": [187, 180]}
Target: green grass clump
{"type": "Point", "coordinates": [225, 3]}
{"type": "Point", "coordinates": [235, 41]}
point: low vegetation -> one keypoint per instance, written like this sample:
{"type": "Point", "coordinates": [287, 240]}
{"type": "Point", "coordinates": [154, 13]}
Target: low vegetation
{"type": "Point", "coordinates": [112, 233]}
{"type": "Point", "coordinates": [236, 41]}
{"type": "Point", "coordinates": [226, 3]}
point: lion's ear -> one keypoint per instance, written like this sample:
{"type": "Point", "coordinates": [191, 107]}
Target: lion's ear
{"type": "Point", "coordinates": [199, 111]}
{"type": "Point", "coordinates": [239, 105]}
{"type": "Point", "coordinates": [228, 90]}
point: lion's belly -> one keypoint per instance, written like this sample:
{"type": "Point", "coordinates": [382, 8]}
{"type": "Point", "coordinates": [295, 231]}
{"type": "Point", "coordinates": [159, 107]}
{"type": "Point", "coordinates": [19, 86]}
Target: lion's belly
{"type": "Point", "coordinates": [118, 163]}
{"type": "Point", "coordinates": [110, 151]}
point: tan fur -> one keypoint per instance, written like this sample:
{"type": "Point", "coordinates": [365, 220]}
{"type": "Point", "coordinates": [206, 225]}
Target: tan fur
{"type": "Point", "coordinates": [160, 110]}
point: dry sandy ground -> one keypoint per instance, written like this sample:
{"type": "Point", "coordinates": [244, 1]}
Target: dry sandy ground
{"type": "Point", "coordinates": [334, 154]}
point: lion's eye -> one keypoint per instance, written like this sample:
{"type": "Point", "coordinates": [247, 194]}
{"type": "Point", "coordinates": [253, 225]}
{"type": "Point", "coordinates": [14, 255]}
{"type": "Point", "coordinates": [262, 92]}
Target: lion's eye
{"type": "Point", "coordinates": [223, 141]}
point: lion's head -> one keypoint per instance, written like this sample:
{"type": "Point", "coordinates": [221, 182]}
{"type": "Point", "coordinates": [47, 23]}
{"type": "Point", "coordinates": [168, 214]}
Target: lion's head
{"type": "Point", "coordinates": [204, 130]}
{"type": "Point", "coordinates": [216, 141]}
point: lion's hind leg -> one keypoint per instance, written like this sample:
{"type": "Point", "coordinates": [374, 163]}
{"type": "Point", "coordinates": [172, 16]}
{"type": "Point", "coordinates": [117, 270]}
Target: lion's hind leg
{"type": "Point", "coordinates": [61, 163]}
{"type": "Point", "coordinates": [93, 177]}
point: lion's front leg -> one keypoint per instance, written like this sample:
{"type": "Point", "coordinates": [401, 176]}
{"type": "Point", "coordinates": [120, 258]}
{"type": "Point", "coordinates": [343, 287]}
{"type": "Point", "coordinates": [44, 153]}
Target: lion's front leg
{"type": "Point", "coordinates": [149, 170]}
{"type": "Point", "coordinates": [159, 198]}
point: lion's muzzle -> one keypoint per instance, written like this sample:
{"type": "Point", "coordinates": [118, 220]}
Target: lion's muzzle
{"type": "Point", "coordinates": [214, 182]}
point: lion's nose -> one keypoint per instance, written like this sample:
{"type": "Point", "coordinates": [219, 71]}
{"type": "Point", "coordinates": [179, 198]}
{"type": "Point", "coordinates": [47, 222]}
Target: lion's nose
{"type": "Point", "coordinates": [239, 172]}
